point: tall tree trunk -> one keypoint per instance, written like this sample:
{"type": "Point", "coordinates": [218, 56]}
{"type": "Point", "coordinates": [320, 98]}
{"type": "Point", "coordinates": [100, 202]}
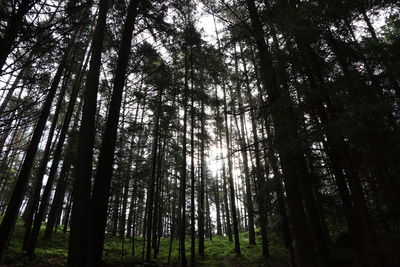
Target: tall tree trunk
{"type": "Point", "coordinates": [137, 161]}
{"type": "Point", "coordinates": [230, 179]}
{"type": "Point", "coordinates": [359, 224]}
{"type": "Point", "coordinates": [102, 182]}
{"type": "Point", "coordinates": [192, 185]}
{"type": "Point", "coordinates": [260, 180]}
{"type": "Point", "coordinates": [78, 241]}
{"type": "Point", "coordinates": [158, 201]}
{"type": "Point", "coordinates": [152, 182]}
{"type": "Point", "coordinates": [217, 206]}
{"type": "Point", "coordinates": [243, 148]}
{"type": "Point", "coordinates": [280, 196]}
{"type": "Point", "coordinates": [201, 207]}
{"type": "Point", "coordinates": [182, 200]}
{"type": "Point", "coordinates": [225, 198]}
{"type": "Point", "coordinates": [115, 206]}
{"type": "Point", "coordinates": [173, 219]}
{"type": "Point", "coordinates": [208, 212]}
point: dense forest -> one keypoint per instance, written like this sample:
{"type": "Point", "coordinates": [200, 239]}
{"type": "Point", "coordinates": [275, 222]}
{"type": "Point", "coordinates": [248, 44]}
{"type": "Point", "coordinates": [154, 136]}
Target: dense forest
{"type": "Point", "coordinates": [203, 132]}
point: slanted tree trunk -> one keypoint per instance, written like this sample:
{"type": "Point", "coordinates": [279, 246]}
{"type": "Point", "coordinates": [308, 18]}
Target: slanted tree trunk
{"type": "Point", "coordinates": [14, 86]}
{"type": "Point", "coordinates": [31, 236]}
{"type": "Point", "coordinates": [280, 196]}
{"type": "Point", "coordinates": [59, 194]}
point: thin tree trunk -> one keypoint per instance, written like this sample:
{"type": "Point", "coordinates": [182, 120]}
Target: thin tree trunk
{"type": "Point", "coordinates": [67, 213]}
{"type": "Point", "coordinates": [201, 208]}
{"type": "Point", "coordinates": [58, 196]}
{"type": "Point", "coordinates": [31, 234]}
{"type": "Point", "coordinates": [192, 185]}
{"type": "Point", "coordinates": [14, 86]}
{"type": "Point", "coordinates": [217, 206]}
{"type": "Point", "coordinates": [243, 146]}
{"type": "Point", "coordinates": [225, 198]}
{"type": "Point", "coordinates": [152, 183]}
{"type": "Point", "coordinates": [230, 179]}
{"type": "Point", "coordinates": [261, 200]}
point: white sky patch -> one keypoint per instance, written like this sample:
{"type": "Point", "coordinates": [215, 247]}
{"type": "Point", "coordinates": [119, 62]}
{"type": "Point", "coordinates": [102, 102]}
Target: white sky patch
{"type": "Point", "coordinates": [215, 160]}
{"type": "Point", "coordinates": [378, 21]}
{"type": "Point", "coordinates": [206, 23]}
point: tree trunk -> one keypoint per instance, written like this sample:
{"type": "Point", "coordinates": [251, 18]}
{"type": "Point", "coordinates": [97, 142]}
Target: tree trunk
{"type": "Point", "coordinates": [243, 148]}
{"type": "Point", "coordinates": [102, 182]}
{"type": "Point", "coordinates": [78, 241]}
{"type": "Point", "coordinates": [230, 179]}
{"type": "Point", "coordinates": [260, 180]}
{"type": "Point", "coordinates": [67, 213]}
{"type": "Point", "coordinates": [182, 195]}
{"type": "Point", "coordinates": [58, 195]}
{"type": "Point", "coordinates": [217, 206]}
{"type": "Point", "coordinates": [192, 185]}
{"type": "Point", "coordinates": [152, 183]}
{"type": "Point", "coordinates": [31, 236]}
{"type": "Point", "coordinates": [14, 86]}
{"type": "Point", "coordinates": [225, 198]}
{"type": "Point", "coordinates": [201, 208]}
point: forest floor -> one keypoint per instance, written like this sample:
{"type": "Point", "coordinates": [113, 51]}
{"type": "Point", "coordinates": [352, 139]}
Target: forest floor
{"type": "Point", "coordinates": [219, 252]}
{"type": "Point", "coordinates": [117, 252]}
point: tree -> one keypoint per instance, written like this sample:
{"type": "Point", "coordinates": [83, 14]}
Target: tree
{"type": "Point", "coordinates": [15, 202]}
{"type": "Point", "coordinates": [285, 128]}
{"type": "Point", "coordinates": [104, 172]}
{"type": "Point", "coordinates": [12, 29]}
{"type": "Point", "coordinates": [78, 241]}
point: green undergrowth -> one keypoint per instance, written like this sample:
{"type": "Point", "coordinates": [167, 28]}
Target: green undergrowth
{"type": "Point", "coordinates": [118, 252]}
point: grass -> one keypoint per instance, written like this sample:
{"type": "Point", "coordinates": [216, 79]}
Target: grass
{"type": "Point", "coordinates": [218, 251]}
{"type": "Point", "coordinates": [117, 252]}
